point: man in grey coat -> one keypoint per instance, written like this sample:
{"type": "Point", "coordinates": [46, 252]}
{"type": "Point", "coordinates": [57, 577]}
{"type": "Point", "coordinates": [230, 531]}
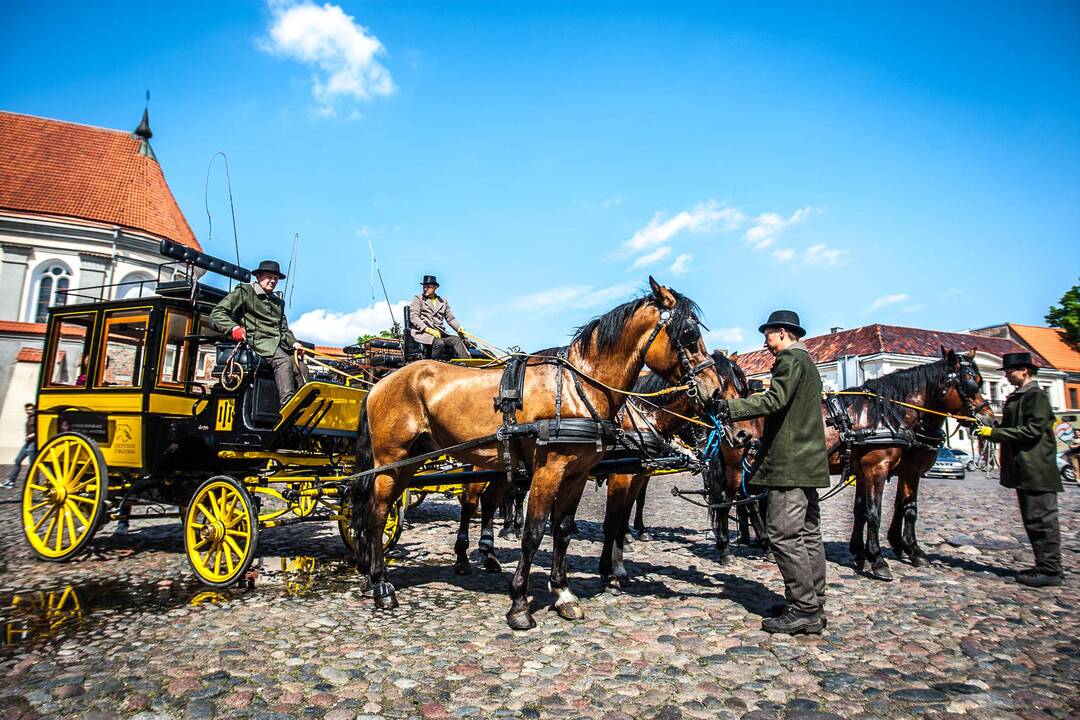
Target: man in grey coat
{"type": "Point", "coordinates": [794, 467]}
{"type": "Point", "coordinates": [427, 313]}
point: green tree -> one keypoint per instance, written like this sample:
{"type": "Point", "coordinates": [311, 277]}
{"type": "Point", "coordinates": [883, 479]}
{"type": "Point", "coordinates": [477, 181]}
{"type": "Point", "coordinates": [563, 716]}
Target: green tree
{"type": "Point", "coordinates": [391, 333]}
{"type": "Point", "coordinates": [1067, 315]}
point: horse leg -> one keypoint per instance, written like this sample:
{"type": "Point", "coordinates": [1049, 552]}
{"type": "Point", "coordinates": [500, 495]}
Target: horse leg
{"type": "Point", "coordinates": [387, 490]}
{"type": "Point", "coordinates": [855, 545]}
{"type": "Point", "coordinates": [723, 540]}
{"type": "Point", "coordinates": [562, 527]}
{"type": "Point", "coordinates": [616, 517]}
{"type": "Point", "coordinates": [489, 500]}
{"type": "Point", "coordinates": [541, 496]}
{"type": "Point", "coordinates": [470, 496]}
{"type": "Point", "coordinates": [639, 513]}
{"type": "Point", "coordinates": [519, 512]}
{"type": "Point", "coordinates": [908, 510]}
{"type": "Point", "coordinates": [742, 520]}
{"type": "Point", "coordinates": [879, 569]}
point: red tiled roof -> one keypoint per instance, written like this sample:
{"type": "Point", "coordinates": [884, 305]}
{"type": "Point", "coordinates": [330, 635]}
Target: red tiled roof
{"type": "Point", "coordinates": [330, 350]}
{"type": "Point", "coordinates": [1051, 344]}
{"type": "Point", "coordinates": [60, 168]}
{"type": "Point", "coordinates": [875, 339]}
{"type": "Point", "coordinates": [28, 328]}
{"type": "Point", "coordinates": [29, 354]}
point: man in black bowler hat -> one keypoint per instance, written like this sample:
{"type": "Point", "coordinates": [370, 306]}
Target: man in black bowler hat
{"type": "Point", "coordinates": [794, 466]}
{"type": "Point", "coordinates": [1028, 464]}
{"type": "Point", "coordinates": [427, 313]}
{"type": "Point", "coordinates": [253, 312]}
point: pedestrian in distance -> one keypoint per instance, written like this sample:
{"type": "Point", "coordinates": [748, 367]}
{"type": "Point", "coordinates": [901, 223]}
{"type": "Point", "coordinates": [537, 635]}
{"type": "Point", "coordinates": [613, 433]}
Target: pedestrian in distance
{"type": "Point", "coordinates": [29, 446]}
{"type": "Point", "coordinates": [428, 312]}
{"type": "Point", "coordinates": [1029, 465]}
{"type": "Point", "coordinates": [793, 467]}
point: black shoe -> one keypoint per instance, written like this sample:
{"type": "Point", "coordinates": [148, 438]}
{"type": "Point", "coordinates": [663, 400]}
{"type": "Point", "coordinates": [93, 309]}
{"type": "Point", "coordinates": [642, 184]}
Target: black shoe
{"type": "Point", "coordinates": [1035, 578]}
{"type": "Point", "coordinates": [795, 623]}
{"type": "Point", "coordinates": [780, 608]}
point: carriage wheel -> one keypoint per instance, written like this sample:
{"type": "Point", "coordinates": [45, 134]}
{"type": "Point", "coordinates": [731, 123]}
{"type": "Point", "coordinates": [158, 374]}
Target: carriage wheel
{"type": "Point", "coordinates": [64, 496]}
{"type": "Point", "coordinates": [391, 530]}
{"type": "Point", "coordinates": [305, 504]}
{"type": "Point", "coordinates": [40, 615]}
{"type": "Point", "coordinates": [221, 531]}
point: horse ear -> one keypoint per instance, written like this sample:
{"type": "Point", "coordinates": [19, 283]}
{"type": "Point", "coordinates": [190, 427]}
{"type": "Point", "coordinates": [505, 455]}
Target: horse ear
{"type": "Point", "coordinates": [662, 295]}
{"type": "Point", "coordinates": [944, 352]}
{"type": "Point", "coordinates": [951, 360]}
{"type": "Point", "coordinates": [734, 355]}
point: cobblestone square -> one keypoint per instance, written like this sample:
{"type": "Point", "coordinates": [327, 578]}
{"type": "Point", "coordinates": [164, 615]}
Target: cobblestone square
{"type": "Point", "coordinates": [137, 637]}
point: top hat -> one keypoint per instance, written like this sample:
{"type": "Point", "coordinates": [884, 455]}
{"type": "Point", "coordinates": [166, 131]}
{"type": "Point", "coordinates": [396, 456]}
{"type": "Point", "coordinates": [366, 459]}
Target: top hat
{"type": "Point", "coordinates": [787, 319]}
{"type": "Point", "coordinates": [430, 280]}
{"type": "Point", "coordinates": [270, 266]}
{"type": "Point", "coordinates": [1017, 359]}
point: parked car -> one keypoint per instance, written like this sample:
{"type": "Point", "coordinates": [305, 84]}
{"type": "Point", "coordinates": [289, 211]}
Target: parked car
{"type": "Point", "coordinates": [947, 465]}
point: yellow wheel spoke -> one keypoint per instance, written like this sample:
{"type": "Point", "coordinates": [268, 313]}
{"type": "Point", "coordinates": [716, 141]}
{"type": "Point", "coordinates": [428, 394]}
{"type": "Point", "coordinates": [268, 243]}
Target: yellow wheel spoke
{"type": "Point", "coordinates": [58, 472]}
{"type": "Point", "coordinates": [236, 521]}
{"type": "Point", "coordinates": [34, 486]}
{"type": "Point", "coordinates": [80, 498]}
{"type": "Point", "coordinates": [213, 503]}
{"type": "Point", "coordinates": [217, 563]}
{"type": "Point", "coordinates": [236, 533]}
{"type": "Point", "coordinates": [71, 527]}
{"type": "Point", "coordinates": [44, 517]}
{"type": "Point", "coordinates": [229, 561]}
{"type": "Point", "coordinates": [49, 476]}
{"type": "Point", "coordinates": [41, 504]}
{"type": "Point", "coordinates": [236, 548]}
{"type": "Point", "coordinates": [73, 483]}
{"type": "Point", "coordinates": [196, 526]}
{"type": "Point", "coordinates": [74, 509]}
{"type": "Point", "coordinates": [206, 513]}
{"type": "Point", "coordinates": [60, 529]}
{"type": "Point", "coordinates": [197, 547]}
{"type": "Point", "coordinates": [48, 532]}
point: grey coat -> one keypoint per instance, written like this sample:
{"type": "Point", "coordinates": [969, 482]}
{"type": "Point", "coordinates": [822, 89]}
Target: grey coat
{"type": "Point", "coordinates": [424, 314]}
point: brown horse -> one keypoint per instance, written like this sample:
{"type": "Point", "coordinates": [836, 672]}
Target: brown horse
{"type": "Point", "coordinates": [949, 385]}
{"type": "Point", "coordinates": [428, 406]}
{"type": "Point", "coordinates": [640, 421]}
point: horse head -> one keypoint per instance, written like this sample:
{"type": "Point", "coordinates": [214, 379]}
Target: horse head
{"type": "Point", "coordinates": [675, 349]}
{"type": "Point", "coordinates": [963, 383]}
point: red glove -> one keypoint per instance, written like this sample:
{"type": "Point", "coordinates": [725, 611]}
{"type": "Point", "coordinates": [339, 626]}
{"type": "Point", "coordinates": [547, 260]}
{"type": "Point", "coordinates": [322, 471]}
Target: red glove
{"type": "Point", "coordinates": [238, 333]}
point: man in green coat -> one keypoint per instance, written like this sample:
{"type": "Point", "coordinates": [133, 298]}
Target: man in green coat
{"type": "Point", "coordinates": [252, 312]}
{"type": "Point", "coordinates": [793, 467]}
{"type": "Point", "coordinates": [1028, 464]}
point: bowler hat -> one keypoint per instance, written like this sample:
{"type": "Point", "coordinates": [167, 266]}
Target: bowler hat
{"type": "Point", "coordinates": [430, 280]}
{"type": "Point", "coordinates": [269, 266]}
{"type": "Point", "coordinates": [1017, 359]}
{"type": "Point", "coordinates": [787, 319]}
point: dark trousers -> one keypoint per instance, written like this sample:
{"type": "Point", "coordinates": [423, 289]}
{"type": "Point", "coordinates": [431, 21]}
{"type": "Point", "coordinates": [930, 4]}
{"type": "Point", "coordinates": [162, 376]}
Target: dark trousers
{"type": "Point", "coordinates": [26, 451]}
{"type": "Point", "coordinates": [447, 347]}
{"type": "Point", "coordinates": [286, 374]}
{"type": "Point", "coordinates": [1039, 510]}
{"type": "Point", "coordinates": [793, 524]}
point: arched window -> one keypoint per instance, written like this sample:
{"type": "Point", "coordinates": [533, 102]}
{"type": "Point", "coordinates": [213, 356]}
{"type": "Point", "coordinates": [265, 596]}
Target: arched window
{"type": "Point", "coordinates": [53, 282]}
{"type": "Point", "coordinates": [136, 284]}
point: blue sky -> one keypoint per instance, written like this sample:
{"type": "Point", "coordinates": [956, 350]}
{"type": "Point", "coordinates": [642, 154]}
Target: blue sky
{"type": "Point", "coordinates": [915, 164]}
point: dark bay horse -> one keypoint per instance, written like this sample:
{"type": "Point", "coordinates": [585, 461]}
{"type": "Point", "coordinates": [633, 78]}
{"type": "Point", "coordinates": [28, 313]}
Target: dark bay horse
{"type": "Point", "coordinates": [949, 385]}
{"type": "Point", "coordinates": [625, 490]}
{"type": "Point", "coordinates": [429, 405]}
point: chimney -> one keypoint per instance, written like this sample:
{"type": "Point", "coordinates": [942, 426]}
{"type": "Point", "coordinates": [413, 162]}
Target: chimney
{"type": "Point", "coordinates": [834, 330]}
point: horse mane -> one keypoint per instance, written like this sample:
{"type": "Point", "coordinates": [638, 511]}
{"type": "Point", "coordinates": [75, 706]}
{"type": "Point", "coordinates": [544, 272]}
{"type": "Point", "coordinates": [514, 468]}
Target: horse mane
{"type": "Point", "coordinates": [607, 329]}
{"type": "Point", "coordinates": [899, 385]}
{"type": "Point", "coordinates": [729, 368]}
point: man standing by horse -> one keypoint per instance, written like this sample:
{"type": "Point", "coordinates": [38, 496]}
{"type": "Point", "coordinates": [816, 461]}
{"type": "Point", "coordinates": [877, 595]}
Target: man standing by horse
{"type": "Point", "coordinates": [428, 312]}
{"type": "Point", "coordinates": [1028, 447]}
{"type": "Point", "coordinates": [251, 312]}
{"type": "Point", "coordinates": [794, 466]}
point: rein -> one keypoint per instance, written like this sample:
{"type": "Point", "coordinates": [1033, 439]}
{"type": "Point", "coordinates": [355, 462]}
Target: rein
{"type": "Point", "coordinates": [920, 408]}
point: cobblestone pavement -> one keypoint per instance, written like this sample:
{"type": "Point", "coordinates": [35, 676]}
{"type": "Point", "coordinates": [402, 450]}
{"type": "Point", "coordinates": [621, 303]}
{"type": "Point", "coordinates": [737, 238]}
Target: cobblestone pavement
{"type": "Point", "coordinates": [146, 641]}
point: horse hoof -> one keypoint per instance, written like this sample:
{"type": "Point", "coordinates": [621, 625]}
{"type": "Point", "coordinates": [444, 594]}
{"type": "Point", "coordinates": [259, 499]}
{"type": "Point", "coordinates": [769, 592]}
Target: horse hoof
{"type": "Point", "coordinates": [462, 568]}
{"type": "Point", "coordinates": [611, 585]}
{"type": "Point", "coordinates": [920, 560]}
{"type": "Point", "coordinates": [644, 536]}
{"type": "Point", "coordinates": [385, 597]}
{"type": "Point", "coordinates": [628, 539]}
{"type": "Point", "coordinates": [769, 556]}
{"type": "Point", "coordinates": [570, 611]}
{"type": "Point", "coordinates": [727, 559]}
{"type": "Point", "coordinates": [520, 620]}
{"type": "Point", "coordinates": [880, 571]}
{"type": "Point", "coordinates": [492, 565]}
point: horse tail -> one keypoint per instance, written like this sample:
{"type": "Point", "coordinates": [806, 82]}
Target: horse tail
{"type": "Point", "coordinates": [360, 491]}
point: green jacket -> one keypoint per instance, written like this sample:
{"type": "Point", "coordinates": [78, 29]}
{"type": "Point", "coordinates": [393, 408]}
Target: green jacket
{"type": "Point", "coordinates": [262, 315]}
{"type": "Point", "coordinates": [1027, 441]}
{"type": "Point", "coordinates": [794, 435]}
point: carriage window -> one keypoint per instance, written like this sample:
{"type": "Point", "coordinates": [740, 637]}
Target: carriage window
{"type": "Point", "coordinates": [174, 349]}
{"type": "Point", "coordinates": [122, 349]}
{"type": "Point", "coordinates": [69, 350]}
{"type": "Point", "coordinates": [206, 356]}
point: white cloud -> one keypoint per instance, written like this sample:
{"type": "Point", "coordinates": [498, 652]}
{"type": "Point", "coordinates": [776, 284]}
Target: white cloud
{"type": "Point", "coordinates": [650, 258]}
{"type": "Point", "coordinates": [681, 264]}
{"type": "Point", "coordinates": [768, 226]}
{"type": "Point", "coordinates": [952, 292]}
{"type": "Point", "coordinates": [702, 218]}
{"type": "Point", "coordinates": [327, 327]}
{"type": "Point", "coordinates": [783, 254]}
{"type": "Point", "coordinates": [569, 297]}
{"type": "Point", "coordinates": [821, 255]}
{"type": "Point", "coordinates": [725, 337]}
{"type": "Point", "coordinates": [887, 300]}
{"type": "Point", "coordinates": [342, 52]}
{"type": "Point", "coordinates": [914, 308]}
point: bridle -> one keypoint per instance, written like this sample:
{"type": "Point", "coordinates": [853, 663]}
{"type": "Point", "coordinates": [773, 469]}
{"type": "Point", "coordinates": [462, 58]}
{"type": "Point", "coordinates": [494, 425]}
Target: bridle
{"type": "Point", "coordinates": [965, 381]}
{"type": "Point", "coordinates": [681, 338]}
